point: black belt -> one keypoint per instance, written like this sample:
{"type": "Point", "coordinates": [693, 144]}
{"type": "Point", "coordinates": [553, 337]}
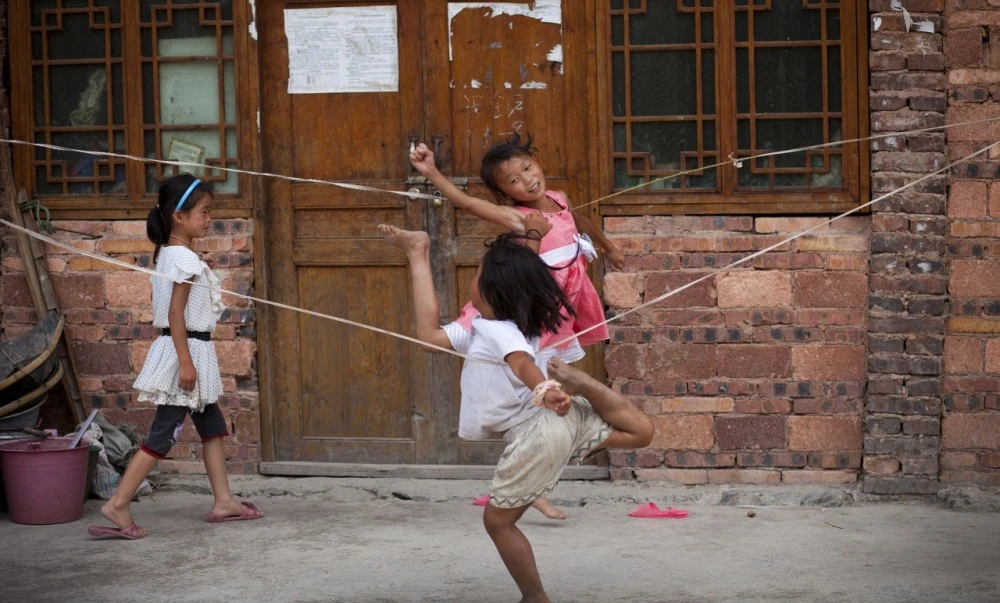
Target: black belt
{"type": "Point", "coordinates": [199, 335]}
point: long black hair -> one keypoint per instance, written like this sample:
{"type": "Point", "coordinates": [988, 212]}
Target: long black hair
{"type": "Point", "coordinates": [497, 156]}
{"type": "Point", "coordinates": [160, 218]}
{"type": "Point", "coordinates": [518, 286]}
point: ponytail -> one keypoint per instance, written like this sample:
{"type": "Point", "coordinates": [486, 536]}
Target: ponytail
{"type": "Point", "coordinates": [157, 229]}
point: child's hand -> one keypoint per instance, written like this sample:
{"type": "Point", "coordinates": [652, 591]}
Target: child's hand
{"type": "Point", "coordinates": [187, 376]}
{"type": "Point", "coordinates": [557, 401]}
{"type": "Point", "coordinates": [617, 258]}
{"type": "Point", "coordinates": [423, 159]}
{"type": "Point", "coordinates": [537, 221]}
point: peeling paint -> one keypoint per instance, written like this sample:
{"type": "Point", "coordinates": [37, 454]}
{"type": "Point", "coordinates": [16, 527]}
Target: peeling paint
{"type": "Point", "coordinates": [876, 23]}
{"type": "Point", "coordinates": [534, 86]}
{"type": "Point", "coordinates": [507, 85]}
{"type": "Point", "coordinates": [494, 45]}
{"type": "Point", "coordinates": [545, 11]}
{"type": "Point", "coordinates": [252, 28]}
{"type": "Point", "coordinates": [475, 84]}
{"type": "Point", "coordinates": [258, 121]}
{"type": "Point", "coordinates": [555, 55]}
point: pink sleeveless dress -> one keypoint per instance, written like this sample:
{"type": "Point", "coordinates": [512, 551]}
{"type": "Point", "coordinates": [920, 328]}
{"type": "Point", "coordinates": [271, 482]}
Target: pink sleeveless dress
{"type": "Point", "coordinates": [567, 253]}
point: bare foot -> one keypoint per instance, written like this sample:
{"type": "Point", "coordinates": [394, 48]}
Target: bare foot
{"type": "Point", "coordinates": [410, 241]}
{"type": "Point", "coordinates": [572, 379]}
{"type": "Point", "coordinates": [229, 508]}
{"type": "Point", "coordinates": [121, 517]}
{"type": "Point", "coordinates": [545, 508]}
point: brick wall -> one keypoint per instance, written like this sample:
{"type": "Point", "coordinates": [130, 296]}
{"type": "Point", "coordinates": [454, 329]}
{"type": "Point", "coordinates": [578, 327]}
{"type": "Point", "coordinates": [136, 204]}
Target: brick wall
{"type": "Point", "coordinates": [755, 376]}
{"type": "Point", "coordinates": [108, 320]}
{"type": "Point", "coordinates": [908, 283]}
{"type": "Point", "coordinates": [970, 446]}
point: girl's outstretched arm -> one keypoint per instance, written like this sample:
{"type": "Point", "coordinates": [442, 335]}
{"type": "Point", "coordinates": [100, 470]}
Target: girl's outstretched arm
{"type": "Point", "coordinates": [586, 226]}
{"type": "Point", "coordinates": [188, 375]}
{"type": "Point", "coordinates": [417, 246]}
{"type": "Point", "coordinates": [423, 160]}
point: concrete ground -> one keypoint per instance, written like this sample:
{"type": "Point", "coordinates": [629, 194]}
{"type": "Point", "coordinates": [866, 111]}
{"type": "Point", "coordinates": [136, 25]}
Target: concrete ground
{"type": "Point", "coordinates": [404, 540]}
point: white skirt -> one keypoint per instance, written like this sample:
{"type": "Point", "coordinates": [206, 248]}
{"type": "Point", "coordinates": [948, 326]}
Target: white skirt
{"type": "Point", "coordinates": [157, 383]}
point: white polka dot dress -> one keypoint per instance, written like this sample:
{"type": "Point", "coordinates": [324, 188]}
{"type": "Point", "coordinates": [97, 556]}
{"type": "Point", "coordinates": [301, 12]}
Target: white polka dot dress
{"type": "Point", "coordinates": [157, 382]}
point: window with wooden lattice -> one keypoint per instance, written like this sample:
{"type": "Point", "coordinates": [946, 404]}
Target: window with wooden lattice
{"type": "Point", "coordinates": [150, 78]}
{"type": "Point", "coordinates": [698, 82]}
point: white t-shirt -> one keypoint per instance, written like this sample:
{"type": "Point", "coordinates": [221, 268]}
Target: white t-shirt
{"type": "Point", "coordinates": [493, 398]}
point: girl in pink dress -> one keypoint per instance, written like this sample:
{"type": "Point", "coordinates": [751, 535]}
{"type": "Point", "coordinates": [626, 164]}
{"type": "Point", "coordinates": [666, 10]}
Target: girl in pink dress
{"type": "Point", "coordinates": [517, 182]}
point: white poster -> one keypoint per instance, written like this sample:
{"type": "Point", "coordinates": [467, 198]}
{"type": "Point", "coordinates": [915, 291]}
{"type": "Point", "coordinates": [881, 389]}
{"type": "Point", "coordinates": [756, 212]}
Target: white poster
{"type": "Point", "coordinates": [334, 50]}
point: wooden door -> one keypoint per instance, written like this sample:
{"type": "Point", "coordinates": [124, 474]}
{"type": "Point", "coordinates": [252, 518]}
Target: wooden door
{"type": "Point", "coordinates": [468, 76]}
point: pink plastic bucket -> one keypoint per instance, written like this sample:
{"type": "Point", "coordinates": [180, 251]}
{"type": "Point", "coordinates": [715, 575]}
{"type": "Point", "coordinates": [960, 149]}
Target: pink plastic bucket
{"type": "Point", "coordinates": [44, 480]}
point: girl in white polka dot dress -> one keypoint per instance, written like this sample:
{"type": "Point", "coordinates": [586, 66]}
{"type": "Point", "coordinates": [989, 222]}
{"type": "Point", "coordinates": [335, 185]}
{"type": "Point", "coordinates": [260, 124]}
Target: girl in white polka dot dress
{"type": "Point", "coordinates": [181, 372]}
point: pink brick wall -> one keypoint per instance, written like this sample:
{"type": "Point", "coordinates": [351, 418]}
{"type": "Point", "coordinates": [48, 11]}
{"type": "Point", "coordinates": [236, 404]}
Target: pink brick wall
{"type": "Point", "coordinates": [108, 320]}
{"type": "Point", "coordinates": [754, 376]}
{"type": "Point", "coordinates": [970, 428]}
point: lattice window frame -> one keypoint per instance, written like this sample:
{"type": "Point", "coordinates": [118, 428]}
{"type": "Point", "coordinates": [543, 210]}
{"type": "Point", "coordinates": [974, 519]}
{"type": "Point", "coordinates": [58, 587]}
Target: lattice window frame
{"type": "Point", "coordinates": [134, 201]}
{"type": "Point", "coordinates": [729, 196]}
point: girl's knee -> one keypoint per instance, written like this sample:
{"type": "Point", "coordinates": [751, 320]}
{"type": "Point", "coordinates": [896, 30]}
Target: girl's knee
{"type": "Point", "coordinates": [496, 520]}
{"type": "Point", "coordinates": [644, 434]}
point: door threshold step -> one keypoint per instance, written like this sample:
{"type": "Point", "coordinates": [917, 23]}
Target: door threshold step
{"type": "Point", "coordinates": [484, 472]}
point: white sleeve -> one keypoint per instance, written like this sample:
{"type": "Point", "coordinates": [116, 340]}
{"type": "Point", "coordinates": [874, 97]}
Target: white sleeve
{"type": "Point", "coordinates": [460, 338]}
{"type": "Point", "coordinates": [182, 266]}
{"type": "Point", "coordinates": [504, 337]}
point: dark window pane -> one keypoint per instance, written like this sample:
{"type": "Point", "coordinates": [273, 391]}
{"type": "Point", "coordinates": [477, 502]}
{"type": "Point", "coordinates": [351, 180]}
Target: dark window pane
{"type": "Point", "coordinates": [661, 24]}
{"type": "Point", "coordinates": [788, 80]}
{"type": "Point", "coordinates": [618, 84]}
{"type": "Point", "coordinates": [663, 83]}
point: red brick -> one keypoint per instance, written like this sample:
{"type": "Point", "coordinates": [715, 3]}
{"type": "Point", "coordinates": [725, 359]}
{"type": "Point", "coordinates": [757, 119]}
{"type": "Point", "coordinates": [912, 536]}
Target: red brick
{"type": "Point", "coordinates": [973, 278]}
{"type": "Point", "coordinates": [771, 459]}
{"type": "Point", "coordinates": [128, 290]}
{"type": "Point", "coordinates": [15, 291]}
{"type": "Point", "coordinates": [750, 433]}
{"type": "Point", "coordinates": [971, 430]}
{"type": "Point", "coordinates": [990, 459]}
{"type": "Point", "coordinates": [696, 405]}
{"type": "Point", "coordinates": [753, 288]}
{"type": "Point", "coordinates": [835, 243]}
{"type": "Point", "coordinates": [741, 360]}
{"type": "Point", "coordinates": [132, 244]}
{"type": "Point", "coordinates": [964, 47]}
{"type": "Point", "coordinates": [825, 406]}
{"type": "Point", "coordinates": [981, 132]}
{"type": "Point", "coordinates": [826, 434]}
{"type": "Point", "coordinates": [967, 199]}
{"type": "Point", "coordinates": [182, 467]}
{"type": "Point", "coordinates": [818, 477]}
{"type": "Point", "coordinates": [688, 477]}
{"type": "Point", "coordinates": [245, 427]}
{"type": "Point", "coordinates": [129, 227]}
{"type": "Point", "coordinates": [995, 187]}
{"type": "Point", "coordinates": [974, 229]}
{"type": "Point", "coordinates": [826, 290]}
{"type": "Point", "coordinates": [137, 354]}
{"type": "Point", "coordinates": [697, 459]}
{"type": "Point", "coordinates": [744, 476]}
{"type": "Point", "coordinates": [683, 432]}
{"type": "Point", "coordinates": [957, 460]}
{"type": "Point", "coordinates": [690, 361]}
{"type": "Point", "coordinates": [626, 361]}
{"type": "Point", "coordinates": [835, 460]}
{"type": "Point", "coordinates": [828, 362]}
{"type": "Point", "coordinates": [100, 359]}
{"type": "Point", "coordinates": [700, 295]}
{"type": "Point", "coordinates": [881, 466]}
{"type": "Point", "coordinates": [973, 477]}
{"type": "Point", "coordinates": [79, 290]}
{"type": "Point", "coordinates": [963, 355]}
{"type": "Point", "coordinates": [763, 407]}
{"type": "Point", "coordinates": [621, 290]}
{"type": "Point", "coordinates": [993, 356]}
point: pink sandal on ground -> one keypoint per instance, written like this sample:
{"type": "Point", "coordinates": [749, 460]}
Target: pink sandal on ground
{"type": "Point", "coordinates": [249, 511]}
{"type": "Point", "coordinates": [482, 501]}
{"type": "Point", "coordinates": [650, 510]}
{"type": "Point", "coordinates": [133, 532]}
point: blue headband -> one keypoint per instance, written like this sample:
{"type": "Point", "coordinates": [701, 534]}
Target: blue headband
{"type": "Point", "coordinates": [187, 194]}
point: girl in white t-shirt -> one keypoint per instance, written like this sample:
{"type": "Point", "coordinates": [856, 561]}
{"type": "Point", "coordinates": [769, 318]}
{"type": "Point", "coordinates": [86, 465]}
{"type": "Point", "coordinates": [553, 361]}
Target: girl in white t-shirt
{"type": "Point", "coordinates": [545, 423]}
{"type": "Point", "coordinates": [181, 372]}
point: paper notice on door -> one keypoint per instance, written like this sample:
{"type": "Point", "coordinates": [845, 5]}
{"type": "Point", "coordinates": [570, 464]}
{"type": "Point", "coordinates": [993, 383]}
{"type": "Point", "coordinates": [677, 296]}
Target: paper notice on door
{"type": "Point", "coordinates": [337, 50]}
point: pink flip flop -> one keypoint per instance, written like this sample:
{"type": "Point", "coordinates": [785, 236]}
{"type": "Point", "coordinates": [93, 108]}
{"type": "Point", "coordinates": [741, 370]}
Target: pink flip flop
{"type": "Point", "coordinates": [249, 511]}
{"type": "Point", "coordinates": [482, 501]}
{"type": "Point", "coordinates": [650, 510]}
{"type": "Point", "coordinates": [133, 532]}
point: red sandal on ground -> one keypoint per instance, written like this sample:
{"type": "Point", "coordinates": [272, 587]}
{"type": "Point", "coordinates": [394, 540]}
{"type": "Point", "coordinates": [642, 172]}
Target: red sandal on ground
{"type": "Point", "coordinates": [249, 511]}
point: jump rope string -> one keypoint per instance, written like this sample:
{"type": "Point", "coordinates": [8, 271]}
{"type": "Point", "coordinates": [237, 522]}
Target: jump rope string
{"type": "Point", "coordinates": [737, 162]}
